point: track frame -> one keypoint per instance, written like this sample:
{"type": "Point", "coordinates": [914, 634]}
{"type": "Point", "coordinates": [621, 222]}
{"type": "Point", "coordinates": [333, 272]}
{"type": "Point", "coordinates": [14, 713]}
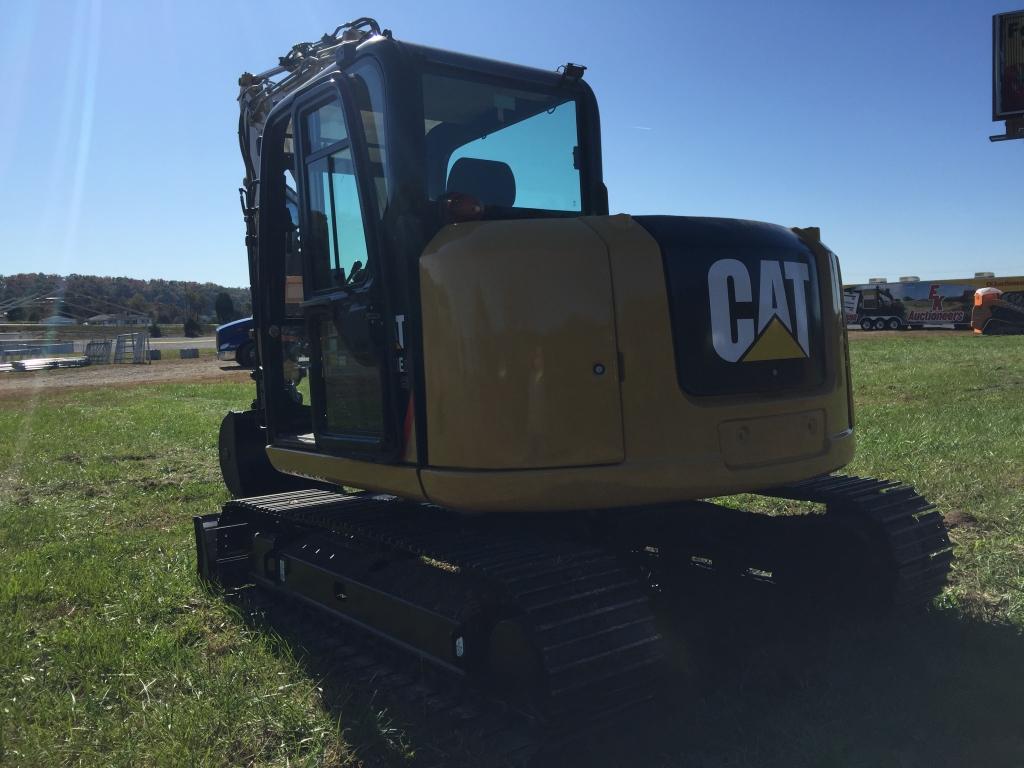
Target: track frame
{"type": "Point", "coordinates": [558, 616]}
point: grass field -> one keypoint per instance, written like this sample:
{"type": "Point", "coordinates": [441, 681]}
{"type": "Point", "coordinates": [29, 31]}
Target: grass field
{"type": "Point", "coordinates": [112, 654]}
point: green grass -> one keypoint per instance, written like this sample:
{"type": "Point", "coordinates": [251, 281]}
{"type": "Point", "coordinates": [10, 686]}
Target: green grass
{"type": "Point", "coordinates": [947, 414]}
{"type": "Point", "coordinates": [112, 654]}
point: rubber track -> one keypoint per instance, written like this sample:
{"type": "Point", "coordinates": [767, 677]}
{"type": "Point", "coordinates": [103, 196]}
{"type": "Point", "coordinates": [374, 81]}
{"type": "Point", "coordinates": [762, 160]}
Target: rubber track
{"type": "Point", "coordinates": [592, 624]}
{"type": "Point", "coordinates": [450, 715]}
{"type": "Point", "coordinates": [917, 545]}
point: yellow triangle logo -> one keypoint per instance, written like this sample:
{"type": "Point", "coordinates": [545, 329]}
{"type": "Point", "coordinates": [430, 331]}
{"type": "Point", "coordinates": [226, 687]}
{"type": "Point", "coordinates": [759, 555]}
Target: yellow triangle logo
{"type": "Point", "coordinates": [775, 343]}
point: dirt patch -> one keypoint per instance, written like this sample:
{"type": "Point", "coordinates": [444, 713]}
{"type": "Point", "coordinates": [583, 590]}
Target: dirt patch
{"type": "Point", "coordinates": [957, 518]}
{"type": "Point", "coordinates": [118, 457]}
{"type": "Point", "coordinates": [37, 383]}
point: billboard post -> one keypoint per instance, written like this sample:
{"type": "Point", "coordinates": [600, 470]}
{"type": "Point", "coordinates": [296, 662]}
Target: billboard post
{"type": "Point", "coordinates": [1008, 73]}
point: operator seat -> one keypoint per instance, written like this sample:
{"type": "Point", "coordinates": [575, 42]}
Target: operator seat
{"type": "Point", "coordinates": [489, 181]}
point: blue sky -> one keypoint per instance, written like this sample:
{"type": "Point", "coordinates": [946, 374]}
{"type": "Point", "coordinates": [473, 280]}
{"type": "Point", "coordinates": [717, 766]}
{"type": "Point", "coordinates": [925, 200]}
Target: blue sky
{"type": "Point", "coordinates": [118, 151]}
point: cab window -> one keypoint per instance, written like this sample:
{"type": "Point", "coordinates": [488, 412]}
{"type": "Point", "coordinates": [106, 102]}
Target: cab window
{"type": "Point", "coordinates": [293, 289]}
{"type": "Point", "coordinates": [539, 152]}
{"type": "Point", "coordinates": [368, 96]}
{"type": "Point", "coordinates": [335, 243]}
{"type": "Point", "coordinates": [506, 146]}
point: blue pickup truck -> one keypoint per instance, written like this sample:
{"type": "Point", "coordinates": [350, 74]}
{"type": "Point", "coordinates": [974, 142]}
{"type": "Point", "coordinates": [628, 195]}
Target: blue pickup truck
{"type": "Point", "coordinates": [235, 342]}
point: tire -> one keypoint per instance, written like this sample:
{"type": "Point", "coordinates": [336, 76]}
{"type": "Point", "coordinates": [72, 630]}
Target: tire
{"type": "Point", "coordinates": [867, 324]}
{"type": "Point", "coordinates": [245, 355]}
{"type": "Point", "coordinates": [879, 324]}
{"type": "Point", "coordinates": [894, 324]}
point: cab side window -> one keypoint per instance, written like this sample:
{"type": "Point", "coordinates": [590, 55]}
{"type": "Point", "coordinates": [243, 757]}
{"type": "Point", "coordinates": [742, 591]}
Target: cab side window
{"type": "Point", "coordinates": [368, 96]}
{"type": "Point", "coordinates": [293, 289]}
{"type": "Point", "coordinates": [335, 243]}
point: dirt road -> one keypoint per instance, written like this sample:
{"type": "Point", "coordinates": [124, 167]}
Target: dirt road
{"type": "Point", "coordinates": [40, 382]}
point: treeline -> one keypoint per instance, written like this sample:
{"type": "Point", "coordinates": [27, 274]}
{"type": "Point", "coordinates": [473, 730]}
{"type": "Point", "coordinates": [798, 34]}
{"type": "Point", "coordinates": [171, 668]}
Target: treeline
{"type": "Point", "coordinates": [31, 297]}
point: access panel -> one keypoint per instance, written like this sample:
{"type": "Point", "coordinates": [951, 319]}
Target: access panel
{"type": "Point", "coordinates": [520, 354]}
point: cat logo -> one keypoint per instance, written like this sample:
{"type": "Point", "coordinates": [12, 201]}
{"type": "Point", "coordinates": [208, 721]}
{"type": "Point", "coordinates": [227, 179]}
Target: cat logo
{"type": "Point", "coordinates": [745, 331]}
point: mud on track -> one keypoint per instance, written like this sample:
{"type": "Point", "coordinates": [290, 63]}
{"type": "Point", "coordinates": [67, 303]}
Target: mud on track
{"type": "Point", "coordinates": [36, 383]}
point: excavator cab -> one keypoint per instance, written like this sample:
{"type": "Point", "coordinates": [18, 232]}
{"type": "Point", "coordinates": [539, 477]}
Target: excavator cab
{"type": "Point", "coordinates": [358, 170]}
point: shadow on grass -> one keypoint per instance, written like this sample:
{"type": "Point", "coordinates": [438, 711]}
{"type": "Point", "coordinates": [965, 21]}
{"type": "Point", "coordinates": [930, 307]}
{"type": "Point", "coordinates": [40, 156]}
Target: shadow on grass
{"type": "Point", "coordinates": [938, 690]}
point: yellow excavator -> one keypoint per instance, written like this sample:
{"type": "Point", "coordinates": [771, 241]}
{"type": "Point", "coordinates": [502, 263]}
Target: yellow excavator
{"type": "Point", "coordinates": [490, 416]}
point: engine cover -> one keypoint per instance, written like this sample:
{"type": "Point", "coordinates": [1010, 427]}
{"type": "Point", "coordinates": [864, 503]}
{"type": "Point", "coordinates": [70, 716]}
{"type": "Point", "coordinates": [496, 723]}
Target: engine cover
{"type": "Point", "coordinates": [745, 305]}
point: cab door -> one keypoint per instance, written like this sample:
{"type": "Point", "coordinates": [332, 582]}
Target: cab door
{"type": "Point", "coordinates": [344, 283]}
